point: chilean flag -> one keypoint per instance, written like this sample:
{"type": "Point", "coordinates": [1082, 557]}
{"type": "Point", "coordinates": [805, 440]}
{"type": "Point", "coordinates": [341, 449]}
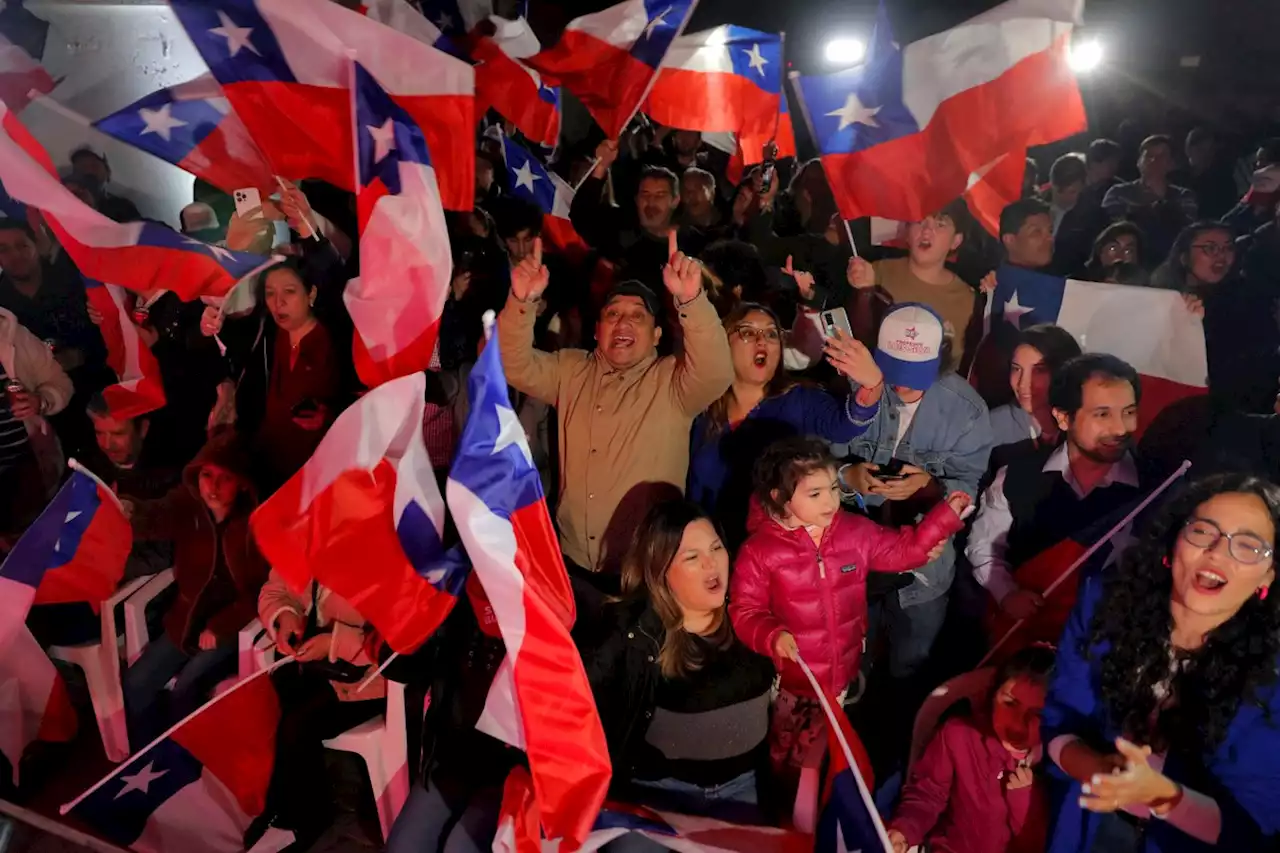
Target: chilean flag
{"type": "Point", "coordinates": [747, 149]}
{"type": "Point", "coordinates": [901, 135]}
{"type": "Point", "coordinates": [512, 88]}
{"type": "Point", "coordinates": [364, 517]}
{"type": "Point", "coordinates": [540, 700]}
{"type": "Point", "coordinates": [191, 125]}
{"type": "Point", "coordinates": [403, 17]}
{"type": "Point", "coordinates": [140, 389]}
{"type": "Point", "coordinates": [283, 65]}
{"type": "Point", "coordinates": [991, 189]}
{"type": "Point", "coordinates": [20, 75]}
{"type": "Point", "coordinates": [456, 17]}
{"type": "Point", "coordinates": [725, 79]}
{"type": "Point", "coordinates": [609, 60]}
{"type": "Point", "coordinates": [199, 788]}
{"type": "Point", "coordinates": [405, 261]}
{"type": "Point", "coordinates": [75, 551]}
{"type": "Point", "coordinates": [533, 182]}
{"type": "Point", "coordinates": [138, 255]}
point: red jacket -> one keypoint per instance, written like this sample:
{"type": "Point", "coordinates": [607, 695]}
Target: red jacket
{"type": "Point", "coordinates": [957, 800]}
{"type": "Point", "coordinates": [782, 582]}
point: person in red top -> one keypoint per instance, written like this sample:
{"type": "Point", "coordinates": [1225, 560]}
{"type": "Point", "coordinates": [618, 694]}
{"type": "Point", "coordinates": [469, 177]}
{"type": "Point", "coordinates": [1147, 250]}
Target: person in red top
{"type": "Point", "coordinates": [799, 587]}
{"type": "Point", "coordinates": [974, 790]}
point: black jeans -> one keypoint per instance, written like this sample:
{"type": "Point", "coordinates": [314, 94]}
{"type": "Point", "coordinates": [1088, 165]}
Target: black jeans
{"type": "Point", "coordinates": [300, 795]}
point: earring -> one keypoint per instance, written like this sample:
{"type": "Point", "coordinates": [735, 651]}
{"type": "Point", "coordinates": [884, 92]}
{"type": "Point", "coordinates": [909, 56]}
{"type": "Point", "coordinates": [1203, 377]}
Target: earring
{"type": "Point", "coordinates": [1263, 593]}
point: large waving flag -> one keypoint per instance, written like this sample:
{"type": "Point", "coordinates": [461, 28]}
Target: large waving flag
{"type": "Point", "coordinates": [364, 517]}
{"type": "Point", "coordinates": [75, 551]}
{"type": "Point", "coordinates": [991, 189]}
{"type": "Point", "coordinates": [540, 700]}
{"type": "Point", "coordinates": [901, 135]}
{"type": "Point", "coordinates": [20, 75]}
{"type": "Point", "coordinates": [533, 182]}
{"type": "Point", "coordinates": [199, 787]}
{"type": "Point", "coordinates": [140, 388]}
{"type": "Point", "coordinates": [405, 261]}
{"type": "Point", "coordinates": [137, 255]}
{"type": "Point", "coordinates": [515, 90]}
{"type": "Point", "coordinates": [283, 65]}
{"type": "Point", "coordinates": [1149, 328]}
{"type": "Point", "coordinates": [456, 17]}
{"type": "Point", "coordinates": [609, 60]}
{"type": "Point", "coordinates": [725, 79]}
{"type": "Point", "coordinates": [191, 125]}
{"type": "Point", "coordinates": [400, 15]}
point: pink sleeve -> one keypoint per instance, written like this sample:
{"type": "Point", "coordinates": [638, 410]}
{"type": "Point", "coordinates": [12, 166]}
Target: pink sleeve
{"type": "Point", "coordinates": [749, 605]}
{"type": "Point", "coordinates": [928, 790]}
{"type": "Point", "coordinates": [908, 547]}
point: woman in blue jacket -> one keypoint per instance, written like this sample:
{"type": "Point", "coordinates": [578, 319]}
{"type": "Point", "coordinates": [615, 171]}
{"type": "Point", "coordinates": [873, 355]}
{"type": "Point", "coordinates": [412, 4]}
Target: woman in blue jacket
{"type": "Point", "coordinates": [1163, 716]}
{"type": "Point", "coordinates": [765, 404]}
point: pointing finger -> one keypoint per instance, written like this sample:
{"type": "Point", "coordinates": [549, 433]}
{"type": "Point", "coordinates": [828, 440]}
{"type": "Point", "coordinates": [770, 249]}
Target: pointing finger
{"type": "Point", "coordinates": [673, 247]}
{"type": "Point", "coordinates": [788, 269]}
{"type": "Point", "coordinates": [537, 251]}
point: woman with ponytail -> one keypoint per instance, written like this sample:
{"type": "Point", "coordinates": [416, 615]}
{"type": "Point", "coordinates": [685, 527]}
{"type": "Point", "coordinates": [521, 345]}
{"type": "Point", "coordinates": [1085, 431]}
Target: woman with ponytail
{"type": "Point", "coordinates": [1163, 716]}
{"type": "Point", "coordinates": [685, 706]}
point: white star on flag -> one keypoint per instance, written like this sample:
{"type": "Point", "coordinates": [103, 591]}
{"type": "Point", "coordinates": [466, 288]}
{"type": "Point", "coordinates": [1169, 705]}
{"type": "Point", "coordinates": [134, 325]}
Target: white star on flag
{"type": "Point", "coordinates": [72, 516]}
{"type": "Point", "coordinates": [511, 432]}
{"type": "Point", "coordinates": [237, 37]}
{"type": "Point", "coordinates": [160, 122]}
{"type": "Point", "coordinates": [444, 22]}
{"type": "Point", "coordinates": [659, 20]}
{"type": "Point", "coordinates": [757, 60]}
{"type": "Point", "coordinates": [384, 139]}
{"type": "Point", "coordinates": [855, 112]}
{"type": "Point", "coordinates": [982, 172]}
{"type": "Point", "coordinates": [140, 781]}
{"type": "Point", "coordinates": [525, 176]}
{"type": "Point", "coordinates": [1013, 311]}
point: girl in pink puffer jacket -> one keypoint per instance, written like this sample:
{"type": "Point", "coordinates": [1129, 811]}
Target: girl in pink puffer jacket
{"type": "Point", "coordinates": [799, 585]}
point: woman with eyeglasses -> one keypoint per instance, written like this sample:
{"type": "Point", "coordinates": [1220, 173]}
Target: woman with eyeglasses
{"type": "Point", "coordinates": [1163, 715]}
{"type": "Point", "coordinates": [1241, 334]}
{"type": "Point", "coordinates": [1117, 256]}
{"type": "Point", "coordinates": [765, 404]}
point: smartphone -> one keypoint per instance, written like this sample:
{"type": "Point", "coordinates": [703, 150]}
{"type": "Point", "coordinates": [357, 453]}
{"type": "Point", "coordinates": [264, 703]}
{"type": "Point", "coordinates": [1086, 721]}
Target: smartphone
{"type": "Point", "coordinates": [769, 168]}
{"type": "Point", "coordinates": [836, 318]}
{"type": "Point", "coordinates": [891, 470]}
{"type": "Point", "coordinates": [248, 199]}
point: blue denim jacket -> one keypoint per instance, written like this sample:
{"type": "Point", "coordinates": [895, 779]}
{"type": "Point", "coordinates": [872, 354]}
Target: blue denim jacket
{"type": "Point", "coordinates": [950, 437]}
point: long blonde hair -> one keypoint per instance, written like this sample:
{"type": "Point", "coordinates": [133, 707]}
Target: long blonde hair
{"type": "Point", "coordinates": [644, 571]}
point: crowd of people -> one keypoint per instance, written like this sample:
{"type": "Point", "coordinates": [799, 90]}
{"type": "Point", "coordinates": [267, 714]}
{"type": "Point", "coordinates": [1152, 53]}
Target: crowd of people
{"type": "Point", "coordinates": [741, 492]}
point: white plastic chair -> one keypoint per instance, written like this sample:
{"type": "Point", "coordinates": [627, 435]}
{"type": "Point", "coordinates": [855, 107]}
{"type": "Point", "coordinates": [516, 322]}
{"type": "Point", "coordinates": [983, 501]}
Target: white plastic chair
{"type": "Point", "coordinates": [381, 742]}
{"type": "Point", "coordinates": [136, 634]}
{"type": "Point", "coordinates": [973, 686]}
{"type": "Point", "coordinates": [100, 662]}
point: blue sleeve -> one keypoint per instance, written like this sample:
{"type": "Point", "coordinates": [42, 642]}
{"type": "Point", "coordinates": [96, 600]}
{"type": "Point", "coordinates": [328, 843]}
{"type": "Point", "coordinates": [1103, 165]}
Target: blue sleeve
{"type": "Point", "coordinates": [1247, 771]}
{"type": "Point", "coordinates": [835, 420]}
{"type": "Point", "coordinates": [1073, 706]}
{"type": "Point", "coordinates": [968, 460]}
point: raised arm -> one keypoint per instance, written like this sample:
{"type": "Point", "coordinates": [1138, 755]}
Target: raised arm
{"type": "Point", "coordinates": [529, 370]}
{"type": "Point", "coordinates": [705, 368]}
{"type": "Point", "coordinates": [909, 547]}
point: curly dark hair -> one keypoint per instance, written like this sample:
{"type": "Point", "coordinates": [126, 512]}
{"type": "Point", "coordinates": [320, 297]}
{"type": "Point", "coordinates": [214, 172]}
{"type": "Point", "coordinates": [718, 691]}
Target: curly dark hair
{"type": "Point", "coordinates": [1133, 618]}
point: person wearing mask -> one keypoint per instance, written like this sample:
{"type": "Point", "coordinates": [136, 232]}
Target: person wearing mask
{"type": "Point", "coordinates": [763, 405]}
{"type": "Point", "coordinates": [89, 166]}
{"type": "Point", "coordinates": [34, 386]}
{"type": "Point", "coordinates": [1040, 499]}
{"type": "Point", "coordinates": [1159, 717]}
{"type": "Point", "coordinates": [624, 413]}
{"type": "Point", "coordinates": [1241, 330]}
{"type": "Point", "coordinates": [1026, 232]}
{"type": "Point", "coordinates": [1117, 256]}
{"type": "Point", "coordinates": [684, 703]}
{"type": "Point", "coordinates": [1159, 207]}
{"type": "Point", "coordinates": [1027, 423]}
{"type": "Point", "coordinates": [290, 386]}
{"type": "Point", "coordinates": [1209, 175]}
{"type": "Point", "coordinates": [218, 572]}
{"type": "Point", "coordinates": [921, 277]}
{"type": "Point", "coordinates": [931, 438]}
{"type": "Point", "coordinates": [975, 789]}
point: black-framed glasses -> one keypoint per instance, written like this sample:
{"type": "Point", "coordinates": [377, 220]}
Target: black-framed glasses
{"type": "Point", "coordinates": [1213, 250]}
{"type": "Point", "coordinates": [1244, 548]}
{"type": "Point", "coordinates": [751, 334]}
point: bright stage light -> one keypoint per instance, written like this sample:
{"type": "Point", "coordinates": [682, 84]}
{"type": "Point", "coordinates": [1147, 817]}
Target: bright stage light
{"type": "Point", "coordinates": [845, 51]}
{"type": "Point", "coordinates": [1085, 56]}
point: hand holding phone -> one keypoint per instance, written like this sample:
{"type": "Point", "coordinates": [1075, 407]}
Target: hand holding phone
{"type": "Point", "coordinates": [836, 318]}
{"type": "Point", "coordinates": [248, 203]}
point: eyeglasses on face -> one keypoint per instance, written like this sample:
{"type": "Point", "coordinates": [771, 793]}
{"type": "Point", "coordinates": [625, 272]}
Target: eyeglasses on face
{"type": "Point", "coordinates": [1245, 548]}
{"type": "Point", "coordinates": [1122, 250]}
{"type": "Point", "coordinates": [751, 334]}
{"type": "Point", "coordinates": [1213, 250]}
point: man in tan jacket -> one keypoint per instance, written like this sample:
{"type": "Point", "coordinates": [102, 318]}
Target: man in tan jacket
{"type": "Point", "coordinates": [624, 413]}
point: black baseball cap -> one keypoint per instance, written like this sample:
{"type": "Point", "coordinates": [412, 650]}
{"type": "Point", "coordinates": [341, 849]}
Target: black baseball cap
{"type": "Point", "coordinates": [637, 289]}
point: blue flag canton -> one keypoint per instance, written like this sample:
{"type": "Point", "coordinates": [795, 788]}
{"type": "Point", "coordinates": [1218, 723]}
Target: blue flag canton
{"type": "Point", "coordinates": [53, 539]}
{"type": "Point", "coordinates": [237, 264]}
{"type": "Point", "coordinates": [385, 134]}
{"type": "Point", "coordinates": [756, 56]}
{"type": "Point", "coordinates": [528, 178]}
{"type": "Point", "coordinates": [167, 127]}
{"type": "Point", "coordinates": [1025, 298]}
{"type": "Point", "coordinates": [235, 40]}
{"type": "Point", "coordinates": [121, 808]}
{"type": "Point", "coordinates": [846, 822]}
{"type": "Point", "coordinates": [445, 14]}
{"type": "Point", "coordinates": [493, 460]}
{"type": "Point", "coordinates": [665, 18]}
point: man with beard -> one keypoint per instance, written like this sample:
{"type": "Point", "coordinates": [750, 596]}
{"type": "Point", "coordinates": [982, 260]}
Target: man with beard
{"type": "Point", "coordinates": [1042, 498]}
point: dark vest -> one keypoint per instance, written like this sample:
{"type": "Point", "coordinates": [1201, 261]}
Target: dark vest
{"type": "Point", "coordinates": [1046, 509]}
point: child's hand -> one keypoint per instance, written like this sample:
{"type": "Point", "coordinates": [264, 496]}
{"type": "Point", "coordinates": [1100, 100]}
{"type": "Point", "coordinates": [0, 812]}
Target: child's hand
{"type": "Point", "coordinates": [898, 840]}
{"type": "Point", "coordinates": [1019, 778]}
{"type": "Point", "coordinates": [960, 502]}
{"type": "Point", "coordinates": [785, 647]}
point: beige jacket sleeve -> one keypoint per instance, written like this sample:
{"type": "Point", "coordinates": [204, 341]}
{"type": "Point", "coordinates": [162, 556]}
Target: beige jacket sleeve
{"type": "Point", "coordinates": [39, 371]}
{"type": "Point", "coordinates": [705, 369]}
{"type": "Point", "coordinates": [276, 598]}
{"type": "Point", "coordinates": [528, 370]}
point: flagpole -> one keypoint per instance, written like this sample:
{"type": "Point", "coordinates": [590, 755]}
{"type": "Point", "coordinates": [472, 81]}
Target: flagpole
{"type": "Point", "coordinates": [54, 106]}
{"type": "Point", "coordinates": [808, 123]}
{"type": "Point", "coordinates": [386, 663]}
{"type": "Point", "coordinates": [1111, 534]}
{"type": "Point", "coordinates": [124, 765]}
{"type": "Point", "coordinates": [848, 753]}
{"type": "Point", "coordinates": [77, 466]}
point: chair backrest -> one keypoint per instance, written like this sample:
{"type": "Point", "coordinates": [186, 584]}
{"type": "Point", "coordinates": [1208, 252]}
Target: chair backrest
{"type": "Point", "coordinates": [972, 686]}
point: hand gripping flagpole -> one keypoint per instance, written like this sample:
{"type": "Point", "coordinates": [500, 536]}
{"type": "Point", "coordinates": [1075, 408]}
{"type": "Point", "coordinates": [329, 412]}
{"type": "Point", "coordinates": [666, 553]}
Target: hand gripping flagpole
{"type": "Point", "coordinates": [1093, 549]}
{"type": "Point", "coordinates": [124, 765]}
